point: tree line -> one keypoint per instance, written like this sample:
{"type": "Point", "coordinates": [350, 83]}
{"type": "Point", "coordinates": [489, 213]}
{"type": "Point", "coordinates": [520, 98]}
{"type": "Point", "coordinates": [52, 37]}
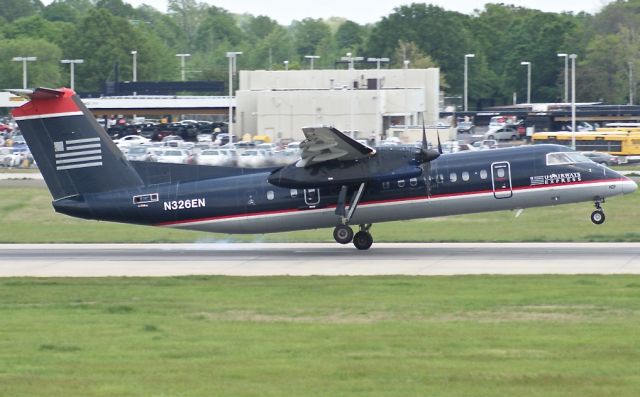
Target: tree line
{"type": "Point", "coordinates": [104, 32]}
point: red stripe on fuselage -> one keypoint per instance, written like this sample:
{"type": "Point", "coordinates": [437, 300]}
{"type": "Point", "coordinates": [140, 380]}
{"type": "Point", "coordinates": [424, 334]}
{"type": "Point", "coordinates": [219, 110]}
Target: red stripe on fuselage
{"type": "Point", "coordinates": [407, 199]}
{"type": "Point", "coordinates": [44, 106]}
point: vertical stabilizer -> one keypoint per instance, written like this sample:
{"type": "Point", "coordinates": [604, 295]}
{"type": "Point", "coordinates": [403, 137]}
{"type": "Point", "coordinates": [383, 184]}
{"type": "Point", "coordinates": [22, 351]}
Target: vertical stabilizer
{"type": "Point", "coordinates": [73, 152]}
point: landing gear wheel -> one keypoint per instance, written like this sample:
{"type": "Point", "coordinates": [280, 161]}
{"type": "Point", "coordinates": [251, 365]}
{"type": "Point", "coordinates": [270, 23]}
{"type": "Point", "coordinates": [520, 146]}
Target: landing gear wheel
{"type": "Point", "coordinates": [362, 240]}
{"type": "Point", "coordinates": [343, 234]}
{"type": "Point", "coordinates": [597, 217]}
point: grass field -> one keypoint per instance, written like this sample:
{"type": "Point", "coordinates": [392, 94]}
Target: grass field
{"type": "Point", "coordinates": [26, 216]}
{"type": "Point", "coordinates": [339, 336]}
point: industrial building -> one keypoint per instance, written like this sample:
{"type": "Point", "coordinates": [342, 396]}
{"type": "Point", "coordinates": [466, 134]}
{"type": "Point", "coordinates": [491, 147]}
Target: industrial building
{"type": "Point", "coordinates": [364, 103]}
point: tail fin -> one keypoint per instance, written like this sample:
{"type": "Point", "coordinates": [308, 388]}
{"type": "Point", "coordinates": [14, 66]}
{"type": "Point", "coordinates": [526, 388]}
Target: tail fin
{"type": "Point", "coordinates": [73, 152]}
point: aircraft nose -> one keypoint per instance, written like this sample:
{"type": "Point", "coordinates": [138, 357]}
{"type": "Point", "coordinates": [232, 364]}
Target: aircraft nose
{"type": "Point", "coordinates": [629, 186]}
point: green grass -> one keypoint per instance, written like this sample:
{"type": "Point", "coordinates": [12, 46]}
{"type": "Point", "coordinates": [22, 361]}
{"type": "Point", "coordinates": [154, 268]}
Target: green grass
{"type": "Point", "coordinates": [26, 216]}
{"type": "Point", "coordinates": [321, 336]}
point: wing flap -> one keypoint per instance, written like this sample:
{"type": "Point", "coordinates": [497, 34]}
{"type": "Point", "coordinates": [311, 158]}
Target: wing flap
{"type": "Point", "coordinates": [325, 143]}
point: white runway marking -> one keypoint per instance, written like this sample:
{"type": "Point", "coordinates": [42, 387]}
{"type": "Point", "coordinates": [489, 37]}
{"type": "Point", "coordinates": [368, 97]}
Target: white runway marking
{"type": "Point", "coordinates": [330, 259]}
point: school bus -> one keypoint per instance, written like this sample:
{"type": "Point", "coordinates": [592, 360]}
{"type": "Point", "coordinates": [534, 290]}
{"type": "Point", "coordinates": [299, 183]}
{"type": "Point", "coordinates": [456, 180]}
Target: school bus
{"type": "Point", "coordinates": [621, 139]}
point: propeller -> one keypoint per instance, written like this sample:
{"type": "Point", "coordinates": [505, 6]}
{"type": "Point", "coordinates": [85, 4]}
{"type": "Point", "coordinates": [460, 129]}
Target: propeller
{"type": "Point", "coordinates": [425, 157]}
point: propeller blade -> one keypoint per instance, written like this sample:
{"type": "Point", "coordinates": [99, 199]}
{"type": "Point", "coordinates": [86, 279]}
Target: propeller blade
{"type": "Point", "coordinates": [439, 144]}
{"type": "Point", "coordinates": [424, 136]}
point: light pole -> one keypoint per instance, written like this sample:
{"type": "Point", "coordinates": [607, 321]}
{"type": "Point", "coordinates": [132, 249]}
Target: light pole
{"type": "Point", "coordinates": [232, 66]}
{"type": "Point", "coordinates": [528, 64]}
{"type": "Point", "coordinates": [350, 58]}
{"type": "Point", "coordinates": [72, 63]}
{"type": "Point", "coordinates": [135, 66]}
{"type": "Point", "coordinates": [566, 76]}
{"type": "Point", "coordinates": [631, 83]}
{"type": "Point", "coordinates": [379, 123]}
{"type": "Point", "coordinates": [286, 65]}
{"type": "Point", "coordinates": [311, 58]}
{"type": "Point", "coordinates": [24, 61]}
{"type": "Point", "coordinates": [466, 57]}
{"type": "Point", "coordinates": [182, 58]}
{"type": "Point", "coordinates": [406, 106]}
{"type": "Point", "coordinates": [573, 100]}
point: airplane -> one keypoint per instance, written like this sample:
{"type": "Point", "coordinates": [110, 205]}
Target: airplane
{"type": "Point", "coordinates": [337, 182]}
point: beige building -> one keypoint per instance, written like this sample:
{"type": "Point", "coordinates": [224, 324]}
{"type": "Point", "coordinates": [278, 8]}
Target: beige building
{"type": "Point", "coordinates": [280, 103]}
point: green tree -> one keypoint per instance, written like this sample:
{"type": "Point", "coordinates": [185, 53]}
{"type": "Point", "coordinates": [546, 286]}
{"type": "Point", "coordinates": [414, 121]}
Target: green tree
{"type": "Point", "coordinates": [443, 35]}
{"type": "Point", "coordinates": [188, 15]}
{"type": "Point", "coordinates": [11, 10]}
{"type": "Point", "coordinates": [350, 37]}
{"type": "Point", "coordinates": [66, 10]}
{"type": "Point", "coordinates": [601, 75]}
{"type": "Point", "coordinates": [309, 35]}
{"type": "Point", "coordinates": [44, 72]}
{"type": "Point", "coordinates": [218, 30]}
{"type": "Point", "coordinates": [117, 8]}
{"type": "Point", "coordinates": [36, 26]}
{"type": "Point", "coordinates": [103, 40]}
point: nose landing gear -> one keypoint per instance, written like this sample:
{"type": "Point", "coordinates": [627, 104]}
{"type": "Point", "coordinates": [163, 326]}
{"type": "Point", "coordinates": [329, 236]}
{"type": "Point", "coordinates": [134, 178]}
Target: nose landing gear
{"type": "Point", "coordinates": [597, 216]}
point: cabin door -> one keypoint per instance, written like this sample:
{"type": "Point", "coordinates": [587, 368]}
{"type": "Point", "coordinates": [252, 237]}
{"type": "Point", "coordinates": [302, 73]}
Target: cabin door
{"type": "Point", "coordinates": [501, 180]}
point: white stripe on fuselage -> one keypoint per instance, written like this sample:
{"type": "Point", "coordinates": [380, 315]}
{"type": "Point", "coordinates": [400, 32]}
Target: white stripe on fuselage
{"type": "Point", "coordinates": [408, 208]}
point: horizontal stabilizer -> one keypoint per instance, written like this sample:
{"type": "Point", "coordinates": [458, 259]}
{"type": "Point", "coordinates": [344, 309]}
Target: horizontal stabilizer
{"type": "Point", "coordinates": [38, 93]}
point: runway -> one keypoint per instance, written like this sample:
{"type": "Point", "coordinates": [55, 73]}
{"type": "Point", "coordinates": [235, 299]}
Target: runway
{"type": "Point", "coordinates": [269, 259]}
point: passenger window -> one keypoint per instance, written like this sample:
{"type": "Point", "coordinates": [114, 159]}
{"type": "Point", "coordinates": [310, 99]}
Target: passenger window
{"type": "Point", "coordinates": [483, 174]}
{"type": "Point", "coordinates": [453, 177]}
{"type": "Point", "coordinates": [294, 193]}
{"type": "Point", "coordinates": [439, 178]}
{"type": "Point", "coordinates": [465, 176]}
{"type": "Point", "coordinates": [401, 183]}
{"type": "Point", "coordinates": [385, 185]}
{"type": "Point", "coordinates": [270, 195]}
{"type": "Point", "coordinates": [413, 182]}
{"type": "Point", "coordinates": [500, 172]}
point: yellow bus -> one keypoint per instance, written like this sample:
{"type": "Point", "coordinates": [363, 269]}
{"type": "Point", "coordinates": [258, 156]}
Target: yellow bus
{"type": "Point", "coordinates": [619, 140]}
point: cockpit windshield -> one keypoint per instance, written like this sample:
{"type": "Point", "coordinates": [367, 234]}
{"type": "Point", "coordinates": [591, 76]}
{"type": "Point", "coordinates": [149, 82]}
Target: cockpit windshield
{"type": "Point", "coordinates": [558, 158]}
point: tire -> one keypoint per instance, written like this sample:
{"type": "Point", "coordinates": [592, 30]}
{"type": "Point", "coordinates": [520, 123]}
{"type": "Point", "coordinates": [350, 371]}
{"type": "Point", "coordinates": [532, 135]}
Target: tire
{"type": "Point", "coordinates": [514, 138]}
{"type": "Point", "coordinates": [362, 240]}
{"type": "Point", "coordinates": [343, 234]}
{"type": "Point", "coordinates": [490, 137]}
{"type": "Point", "coordinates": [597, 217]}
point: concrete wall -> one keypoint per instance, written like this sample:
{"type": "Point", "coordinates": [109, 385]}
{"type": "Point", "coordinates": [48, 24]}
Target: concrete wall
{"type": "Point", "coordinates": [280, 103]}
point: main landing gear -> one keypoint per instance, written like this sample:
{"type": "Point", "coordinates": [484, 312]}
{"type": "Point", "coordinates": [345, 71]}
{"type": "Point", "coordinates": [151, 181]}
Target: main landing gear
{"type": "Point", "coordinates": [597, 216]}
{"type": "Point", "coordinates": [343, 233]}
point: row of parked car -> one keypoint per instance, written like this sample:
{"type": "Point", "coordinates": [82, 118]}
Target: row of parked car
{"type": "Point", "coordinates": [240, 154]}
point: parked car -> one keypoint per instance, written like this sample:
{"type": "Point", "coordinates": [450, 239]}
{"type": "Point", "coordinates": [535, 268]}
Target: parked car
{"type": "Point", "coordinates": [602, 158]}
{"type": "Point", "coordinates": [141, 153]}
{"type": "Point", "coordinates": [216, 157]}
{"type": "Point", "coordinates": [503, 134]}
{"type": "Point", "coordinates": [9, 157]}
{"type": "Point", "coordinates": [255, 158]}
{"type": "Point", "coordinates": [466, 127]}
{"type": "Point", "coordinates": [131, 140]}
{"type": "Point", "coordinates": [176, 156]}
{"type": "Point", "coordinates": [172, 141]}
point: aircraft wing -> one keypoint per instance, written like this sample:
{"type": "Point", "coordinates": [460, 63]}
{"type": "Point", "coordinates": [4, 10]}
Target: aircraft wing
{"type": "Point", "coordinates": [327, 143]}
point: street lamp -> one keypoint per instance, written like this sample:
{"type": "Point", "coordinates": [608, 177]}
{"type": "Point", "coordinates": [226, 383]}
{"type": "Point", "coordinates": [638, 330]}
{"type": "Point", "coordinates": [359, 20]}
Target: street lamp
{"type": "Point", "coordinates": [350, 58]}
{"type": "Point", "coordinates": [232, 68]}
{"type": "Point", "coordinates": [379, 123]}
{"type": "Point", "coordinates": [24, 61]}
{"type": "Point", "coordinates": [466, 57]}
{"type": "Point", "coordinates": [182, 57]}
{"type": "Point", "coordinates": [528, 64]}
{"type": "Point", "coordinates": [311, 58]}
{"type": "Point", "coordinates": [573, 100]}
{"type": "Point", "coordinates": [406, 106]}
{"type": "Point", "coordinates": [566, 76]}
{"type": "Point", "coordinates": [72, 63]}
{"type": "Point", "coordinates": [135, 66]}
{"type": "Point", "coordinates": [286, 65]}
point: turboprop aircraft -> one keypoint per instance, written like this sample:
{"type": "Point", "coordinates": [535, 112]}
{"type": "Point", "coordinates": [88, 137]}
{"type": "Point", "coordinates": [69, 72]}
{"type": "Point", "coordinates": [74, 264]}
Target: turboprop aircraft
{"type": "Point", "coordinates": [337, 182]}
